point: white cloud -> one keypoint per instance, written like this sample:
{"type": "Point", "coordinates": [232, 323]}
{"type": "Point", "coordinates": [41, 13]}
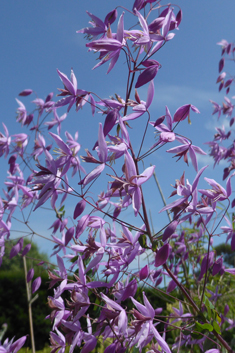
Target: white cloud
{"type": "Point", "coordinates": [177, 95]}
{"type": "Point", "coordinates": [214, 122]}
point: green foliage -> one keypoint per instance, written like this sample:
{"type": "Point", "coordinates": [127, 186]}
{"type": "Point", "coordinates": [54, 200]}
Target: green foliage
{"type": "Point", "coordinates": [13, 297]}
{"type": "Point", "coordinates": [228, 255]}
{"type": "Point", "coordinates": [14, 308]}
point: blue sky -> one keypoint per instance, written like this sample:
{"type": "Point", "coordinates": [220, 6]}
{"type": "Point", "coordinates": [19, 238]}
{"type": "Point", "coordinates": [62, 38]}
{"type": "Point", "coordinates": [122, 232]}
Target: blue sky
{"type": "Point", "coordinates": [39, 36]}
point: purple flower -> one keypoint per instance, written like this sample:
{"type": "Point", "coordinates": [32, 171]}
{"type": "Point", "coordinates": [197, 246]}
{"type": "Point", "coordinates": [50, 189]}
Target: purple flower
{"type": "Point", "coordinates": [102, 152]}
{"type": "Point", "coordinates": [47, 105]}
{"type": "Point", "coordinates": [5, 142]}
{"type": "Point", "coordinates": [56, 121]}
{"type": "Point", "coordinates": [10, 347]}
{"type": "Point", "coordinates": [185, 190]}
{"type": "Point", "coordinates": [47, 180]}
{"type": "Point", "coordinates": [141, 107]}
{"type": "Point", "coordinates": [182, 150]}
{"type": "Point", "coordinates": [22, 112]}
{"type": "Point", "coordinates": [98, 26]}
{"type": "Point", "coordinates": [130, 186]}
{"type": "Point", "coordinates": [21, 141]}
{"type": "Point", "coordinates": [167, 135]}
{"type": "Point", "coordinates": [57, 341]}
{"type": "Point", "coordinates": [144, 326]}
{"type": "Point", "coordinates": [217, 193]}
{"type": "Point", "coordinates": [109, 48]}
{"type": "Point", "coordinates": [183, 112]}
{"type": "Point", "coordinates": [72, 94]}
{"type": "Point", "coordinates": [217, 109]}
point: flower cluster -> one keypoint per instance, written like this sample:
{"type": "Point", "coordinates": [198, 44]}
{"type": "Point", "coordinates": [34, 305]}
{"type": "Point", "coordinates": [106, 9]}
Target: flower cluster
{"type": "Point", "coordinates": [105, 251]}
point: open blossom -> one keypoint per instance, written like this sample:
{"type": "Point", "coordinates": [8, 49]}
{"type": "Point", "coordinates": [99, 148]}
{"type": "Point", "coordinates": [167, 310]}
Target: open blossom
{"type": "Point", "coordinates": [22, 112]}
{"type": "Point", "coordinates": [187, 147]}
{"type": "Point", "coordinates": [109, 47]}
{"type": "Point", "coordinates": [141, 107]}
{"type": "Point", "coordinates": [217, 193]}
{"type": "Point", "coordinates": [185, 191]}
{"type": "Point", "coordinates": [56, 121]}
{"type": "Point", "coordinates": [102, 152]}
{"type": "Point", "coordinates": [5, 142]}
{"type": "Point", "coordinates": [99, 28]}
{"type": "Point", "coordinates": [11, 346]}
{"type": "Point", "coordinates": [144, 326]}
{"type": "Point", "coordinates": [21, 141]}
{"type": "Point", "coordinates": [44, 105]}
{"type": "Point", "coordinates": [72, 94]}
{"type": "Point", "coordinates": [130, 185]}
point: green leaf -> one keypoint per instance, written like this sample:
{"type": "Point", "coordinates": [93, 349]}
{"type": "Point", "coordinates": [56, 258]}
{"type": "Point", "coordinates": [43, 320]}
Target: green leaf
{"type": "Point", "coordinates": [209, 306]}
{"type": "Point", "coordinates": [142, 241]}
{"type": "Point", "coordinates": [202, 327]}
{"type": "Point", "coordinates": [216, 327]}
{"type": "Point", "coordinates": [154, 245]}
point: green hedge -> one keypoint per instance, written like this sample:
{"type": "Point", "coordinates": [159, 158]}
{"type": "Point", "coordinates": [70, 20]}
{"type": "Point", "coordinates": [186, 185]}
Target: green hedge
{"type": "Point", "coordinates": [14, 309]}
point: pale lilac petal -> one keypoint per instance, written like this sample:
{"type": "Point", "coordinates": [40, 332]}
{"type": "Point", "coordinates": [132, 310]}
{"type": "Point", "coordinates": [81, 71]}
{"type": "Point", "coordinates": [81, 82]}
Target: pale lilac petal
{"type": "Point", "coordinates": [136, 200]}
{"type": "Point", "coordinates": [93, 174]}
{"type": "Point", "coordinates": [60, 143]}
{"type": "Point", "coordinates": [162, 343]}
{"type": "Point", "coordinates": [130, 167]}
{"type": "Point", "coordinates": [174, 204]}
{"type": "Point", "coordinates": [18, 344]}
{"type": "Point", "coordinates": [157, 46]}
{"type": "Point", "coordinates": [169, 36]}
{"type": "Point", "coordinates": [178, 149]}
{"type": "Point", "coordinates": [146, 175]}
{"type": "Point", "coordinates": [96, 20]}
{"type": "Point", "coordinates": [166, 24]}
{"type": "Point", "coordinates": [150, 94]}
{"type": "Point", "coordinates": [199, 150]}
{"type": "Point", "coordinates": [148, 306]}
{"type": "Point", "coordinates": [112, 303]}
{"type": "Point", "coordinates": [122, 322]}
{"type": "Point", "coordinates": [103, 150]}
{"type": "Point", "coordinates": [194, 109]}
{"type": "Point", "coordinates": [60, 262]}
{"type": "Point", "coordinates": [193, 158]}
{"type": "Point", "coordinates": [68, 84]}
{"type": "Point", "coordinates": [113, 61]}
{"type": "Point", "coordinates": [196, 180]}
{"type": "Point", "coordinates": [74, 80]}
{"type": "Point", "coordinates": [140, 307]}
{"type": "Point", "coordinates": [89, 345]}
{"type": "Point", "coordinates": [120, 29]}
{"type": "Point", "coordinates": [167, 136]}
